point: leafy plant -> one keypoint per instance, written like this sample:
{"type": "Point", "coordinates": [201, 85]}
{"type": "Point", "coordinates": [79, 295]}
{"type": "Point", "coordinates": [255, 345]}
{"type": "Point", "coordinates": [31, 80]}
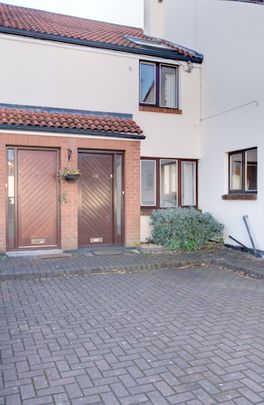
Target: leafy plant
{"type": "Point", "coordinates": [184, 228]}
{"type": "Point", "coordinates": [68, 172]}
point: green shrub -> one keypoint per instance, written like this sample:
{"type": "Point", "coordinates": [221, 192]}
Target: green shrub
{"type": "Point", "coordinates": [184, 228]}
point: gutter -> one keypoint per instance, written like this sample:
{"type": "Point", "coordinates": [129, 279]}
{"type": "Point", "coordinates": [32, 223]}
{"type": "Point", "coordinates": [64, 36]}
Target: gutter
{"type": "Point", "coordinates": [167, 54]}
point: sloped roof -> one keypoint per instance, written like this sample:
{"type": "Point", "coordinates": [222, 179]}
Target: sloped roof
{"type": "Point", "coordinates": [64, 28]}
{"type": "Point", "coordinates": [71, 121]}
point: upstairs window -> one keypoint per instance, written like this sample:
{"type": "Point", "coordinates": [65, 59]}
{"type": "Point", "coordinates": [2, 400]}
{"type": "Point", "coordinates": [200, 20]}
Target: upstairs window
{"type": "Point", "coordinates": [158, 85]}
{"type": "Point", "coordinates": [243, 167]}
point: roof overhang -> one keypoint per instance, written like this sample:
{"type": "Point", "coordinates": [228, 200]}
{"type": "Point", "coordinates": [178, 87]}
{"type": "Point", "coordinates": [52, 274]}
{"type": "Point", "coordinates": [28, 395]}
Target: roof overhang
{"type": "Point", "coordinates": [140, 50]}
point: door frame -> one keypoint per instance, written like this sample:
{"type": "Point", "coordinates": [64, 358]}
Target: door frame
{"type": "Point", "coordinates": [114, 233]}
{"type": "Point", "coordinates": [58, 213]}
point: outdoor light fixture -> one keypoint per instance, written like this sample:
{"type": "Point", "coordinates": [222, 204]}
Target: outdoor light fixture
{"type": "Point", "coordinates": [189, 67]}
{"type": "Point", "coordinates": [69, 154]}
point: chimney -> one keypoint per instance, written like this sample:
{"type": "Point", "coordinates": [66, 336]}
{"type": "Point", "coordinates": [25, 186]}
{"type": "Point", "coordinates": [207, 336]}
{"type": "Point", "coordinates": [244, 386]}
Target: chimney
{"type": "Point", "coordinates": [154, 17]}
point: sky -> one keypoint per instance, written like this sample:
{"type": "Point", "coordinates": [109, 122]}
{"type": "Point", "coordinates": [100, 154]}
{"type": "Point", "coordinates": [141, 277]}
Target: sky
{"type": "Point", "coordinates": [126, 12]}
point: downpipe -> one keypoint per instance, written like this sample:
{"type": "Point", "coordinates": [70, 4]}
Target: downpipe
{"type": "Point", "coordinates": [244, 248]}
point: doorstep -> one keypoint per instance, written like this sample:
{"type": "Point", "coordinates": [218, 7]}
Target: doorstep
{"type": "Point", "coordinates": [30, 253]}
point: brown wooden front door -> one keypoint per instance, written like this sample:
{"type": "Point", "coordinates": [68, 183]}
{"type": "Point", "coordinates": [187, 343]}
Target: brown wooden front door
{"type": "Point", "coordinates": [36, 199]}
{"type": "Point", "coordinates": [100, 199]}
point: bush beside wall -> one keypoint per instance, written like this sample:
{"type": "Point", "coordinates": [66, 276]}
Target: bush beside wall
{"type": "Point", "coordinates": [184, 228]}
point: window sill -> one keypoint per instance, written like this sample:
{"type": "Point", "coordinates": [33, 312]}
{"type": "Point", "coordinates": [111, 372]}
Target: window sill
{"type": "Point", "coordinates": [248, 197]}
{"type": "Point", "coordinates": [154, 108]}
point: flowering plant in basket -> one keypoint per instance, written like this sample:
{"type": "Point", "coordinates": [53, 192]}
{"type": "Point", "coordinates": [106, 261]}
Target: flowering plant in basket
{"type": "Point", "coordinates": [69, 174]}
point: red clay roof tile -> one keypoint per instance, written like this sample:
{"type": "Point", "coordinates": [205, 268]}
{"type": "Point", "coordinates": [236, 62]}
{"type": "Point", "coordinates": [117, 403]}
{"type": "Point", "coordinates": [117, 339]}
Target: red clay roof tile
{"type": "Point", "coordinates": [44, 22]}
{"type": "Point", "coordinates": [31, 118]}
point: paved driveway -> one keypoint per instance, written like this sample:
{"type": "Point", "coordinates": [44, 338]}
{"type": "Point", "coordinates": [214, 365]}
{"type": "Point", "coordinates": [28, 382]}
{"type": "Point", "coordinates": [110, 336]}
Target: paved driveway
{"type": "Point", "coordinates": [190, 336]}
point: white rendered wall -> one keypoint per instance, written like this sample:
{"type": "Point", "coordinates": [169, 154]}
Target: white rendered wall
{"type": "Point", "coordinates": [54, 75]}
{"type": "Point", "coordinates": [231, 37]}
{"type": "Point", "coordinates": [42, 73]}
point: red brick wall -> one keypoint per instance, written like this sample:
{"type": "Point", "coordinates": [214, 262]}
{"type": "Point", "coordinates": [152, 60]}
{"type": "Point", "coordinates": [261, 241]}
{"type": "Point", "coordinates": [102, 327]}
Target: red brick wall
{"type": "Point", "coordinates": [69, 210]}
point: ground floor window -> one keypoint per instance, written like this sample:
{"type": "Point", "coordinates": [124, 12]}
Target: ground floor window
{"type": "Point", "coordinates": [243, 171]}
{"type": "Point", "coordinates": [168, 183]}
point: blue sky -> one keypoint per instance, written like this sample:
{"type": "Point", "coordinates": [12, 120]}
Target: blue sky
{"type": "Point", "coordinates": [127, 12]}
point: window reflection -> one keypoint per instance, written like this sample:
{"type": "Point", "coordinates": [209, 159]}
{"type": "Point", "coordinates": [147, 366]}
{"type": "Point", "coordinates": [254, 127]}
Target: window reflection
{"type": "Point", "coordinates": [11, 197]}
{"type": "Point", "coordinates": [118, 171]}
{"type": "Point", "coordinates": [251, 170]}
{"type": "Point", "coordinates": [168, 183]}
{"type": "Point", "coordinates": [188, 174]}
{"type": "Point", "coordinates": [148, 180]}
{"type": "Point", "coordinates": [168, 86]}
{"type": "Point", "coordinates": [147, 83]}
{"type": "Point", "coordinates": [236, 171]}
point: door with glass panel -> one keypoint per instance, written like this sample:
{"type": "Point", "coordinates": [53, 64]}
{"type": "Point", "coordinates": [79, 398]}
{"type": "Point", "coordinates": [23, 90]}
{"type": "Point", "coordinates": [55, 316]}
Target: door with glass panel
{"type": "Point", "coordinates": [100, 198]}
{"type": "Point", "coordinates": [32, 198]}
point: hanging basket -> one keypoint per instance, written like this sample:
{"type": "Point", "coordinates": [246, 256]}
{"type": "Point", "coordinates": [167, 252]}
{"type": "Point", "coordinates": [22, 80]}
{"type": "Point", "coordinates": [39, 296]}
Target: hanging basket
{"type": "Point", "coordinates": [69, 174]}
{"type": "Point", "coordinates": [71, 177]}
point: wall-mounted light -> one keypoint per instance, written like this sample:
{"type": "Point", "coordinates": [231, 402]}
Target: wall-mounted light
{"type": "Point", "coordinates": [69, 154]}
{"type": "Point", "coordinates": [189, 67]}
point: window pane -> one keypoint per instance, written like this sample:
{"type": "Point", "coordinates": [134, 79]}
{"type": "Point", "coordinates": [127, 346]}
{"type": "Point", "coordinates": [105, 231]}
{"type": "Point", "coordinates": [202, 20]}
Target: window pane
{"type": "Point", "coordinates": [168, 183]}
{"type": "Point", "coordinates": [148, 182]}
{"type": "Point", "coordinates": [251, 166]}
{"type": "Point", "coordinates": [118, 170]}
{"type": "Point", "coordinates": [168, 86]}
{"type": "Point", "coordinates": [188, 175]}
{"type": "Point", "coordinates": [236, 171]}
{"type": "Point", "coordinates": [147, 83]}
{"type": "Point", "coordinates": [11, 197]}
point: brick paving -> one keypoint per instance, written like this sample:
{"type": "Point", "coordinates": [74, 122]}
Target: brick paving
{"type": "Point", "coordinates": [83, 261]}
{"type": "Point", "coordinates": [190, 336]}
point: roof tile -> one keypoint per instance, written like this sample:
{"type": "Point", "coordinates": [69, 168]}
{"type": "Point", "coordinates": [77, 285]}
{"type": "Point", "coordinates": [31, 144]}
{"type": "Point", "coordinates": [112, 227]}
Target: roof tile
{"type": "Point", "coordinates": [13, 116]}
{"type": "Point", "coordinates": [44, 22]}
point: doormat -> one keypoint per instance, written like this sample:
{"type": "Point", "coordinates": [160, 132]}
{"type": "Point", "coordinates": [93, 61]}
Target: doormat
{"type": "Point", "coordinates": [108, 252]}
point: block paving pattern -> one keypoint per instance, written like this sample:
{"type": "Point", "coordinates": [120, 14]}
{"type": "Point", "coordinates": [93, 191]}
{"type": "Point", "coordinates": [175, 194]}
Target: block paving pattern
{"type": "Point", "coordinates": [191, 336]}
{"type": "Point", "coordinates": [83, 261]}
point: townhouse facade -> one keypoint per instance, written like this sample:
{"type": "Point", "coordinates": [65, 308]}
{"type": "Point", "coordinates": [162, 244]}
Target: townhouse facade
{"type": "Point", "coordinates": [121, 106]}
